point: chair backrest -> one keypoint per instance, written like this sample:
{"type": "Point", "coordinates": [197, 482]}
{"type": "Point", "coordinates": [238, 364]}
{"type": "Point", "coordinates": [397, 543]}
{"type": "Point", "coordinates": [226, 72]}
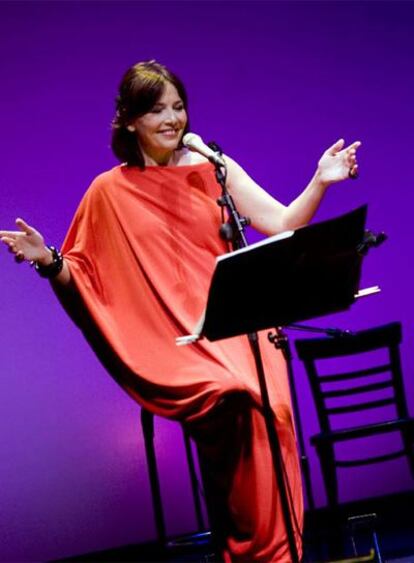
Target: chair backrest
{"type": "Point", "coordinates": [359, 385]}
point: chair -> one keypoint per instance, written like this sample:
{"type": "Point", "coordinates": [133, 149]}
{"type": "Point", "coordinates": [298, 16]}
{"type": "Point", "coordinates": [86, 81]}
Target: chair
{"type": "Point", "coordinates": [372, 388]}
{"type": "Point", "coordinates": [147, 424]}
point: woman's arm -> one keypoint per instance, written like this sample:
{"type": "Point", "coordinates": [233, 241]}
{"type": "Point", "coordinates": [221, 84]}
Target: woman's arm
{"type": "Point", "coordinates": [269, 215]}
{"type": "Point", "coordinates": [28, 244]}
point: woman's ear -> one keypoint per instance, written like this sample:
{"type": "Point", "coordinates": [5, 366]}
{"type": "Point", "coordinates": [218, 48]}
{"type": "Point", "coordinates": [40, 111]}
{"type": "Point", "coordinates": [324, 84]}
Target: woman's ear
{"type": "Point", "coordinates": [131, 128]}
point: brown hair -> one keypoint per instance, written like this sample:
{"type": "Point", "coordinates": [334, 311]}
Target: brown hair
{"type": "Point", "coordinates": [141, 87]}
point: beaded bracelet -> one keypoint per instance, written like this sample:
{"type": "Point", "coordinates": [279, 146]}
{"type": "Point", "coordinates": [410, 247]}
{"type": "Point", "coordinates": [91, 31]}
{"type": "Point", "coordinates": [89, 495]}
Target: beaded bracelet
{"type": "Point", "coordinates": [52, 269]}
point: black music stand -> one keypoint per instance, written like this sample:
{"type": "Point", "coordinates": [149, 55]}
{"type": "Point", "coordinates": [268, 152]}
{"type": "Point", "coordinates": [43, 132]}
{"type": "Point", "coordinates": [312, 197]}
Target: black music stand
{"type": "Point", "coordinates": [291, 277]}
{"type": "Point", "coordinates": [288, 278]}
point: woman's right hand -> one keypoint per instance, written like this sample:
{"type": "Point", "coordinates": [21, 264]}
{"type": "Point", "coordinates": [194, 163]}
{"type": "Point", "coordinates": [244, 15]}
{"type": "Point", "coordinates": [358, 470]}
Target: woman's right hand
{"type": "Point", "coordinates": [26, 244]}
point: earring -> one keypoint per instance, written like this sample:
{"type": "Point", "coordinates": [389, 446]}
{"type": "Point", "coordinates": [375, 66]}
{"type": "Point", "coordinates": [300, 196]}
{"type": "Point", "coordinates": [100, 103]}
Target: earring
{"type": "Point", "coordinates": [131, 128]}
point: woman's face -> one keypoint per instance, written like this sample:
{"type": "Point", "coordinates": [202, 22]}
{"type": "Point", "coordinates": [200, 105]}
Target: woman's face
{"type": "Point", "coordinates": [160, 130]}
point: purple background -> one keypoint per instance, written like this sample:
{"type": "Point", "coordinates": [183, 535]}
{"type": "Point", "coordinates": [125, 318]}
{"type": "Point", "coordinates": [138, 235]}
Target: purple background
{"type": "Point", "coordinates": [275, 84]}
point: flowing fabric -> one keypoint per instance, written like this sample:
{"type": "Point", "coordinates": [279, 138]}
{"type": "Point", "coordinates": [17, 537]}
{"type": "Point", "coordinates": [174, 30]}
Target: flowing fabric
{"type": "Point", "coordinates": [141, 250]}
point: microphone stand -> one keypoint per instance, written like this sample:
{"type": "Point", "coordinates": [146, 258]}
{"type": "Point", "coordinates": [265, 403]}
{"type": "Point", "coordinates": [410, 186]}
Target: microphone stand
{"type": "Point", "coordinates": [233, 232]}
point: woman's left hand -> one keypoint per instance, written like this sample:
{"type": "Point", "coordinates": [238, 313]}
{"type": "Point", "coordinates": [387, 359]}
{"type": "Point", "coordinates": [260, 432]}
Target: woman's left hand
{"type": "Point", "coordinates": [338, 163]}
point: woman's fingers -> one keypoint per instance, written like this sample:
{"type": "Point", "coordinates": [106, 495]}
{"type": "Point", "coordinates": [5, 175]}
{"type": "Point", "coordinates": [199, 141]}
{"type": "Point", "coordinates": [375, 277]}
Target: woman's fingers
{"type": "Point", "coordinates": [353, 172]}
{"type": "Point", "coordinates": [351, 159]}
{"type": "Point", "coordinates": [25, 244]}
{"type": "Point", "coordinates": [351, 150]}
{"type": "Point", "coordinates": [7, 239]}
{"type": "Point", "coordinates": [339, 147]}
{"type": "Point", "coordinates": [354, 146]}
{"type": "Point", "coordinates": [8, 234]}
{"type": "Point", "coordinates": [336, 147]}
{"type": "Point", "coordinates": [12, 247]}
{"type": "Point", "coordinates": [19, 257]}
{"type": "Point", "coordinates": [10, 242]}
{"type": "Point", "coordinates": [24, 227]}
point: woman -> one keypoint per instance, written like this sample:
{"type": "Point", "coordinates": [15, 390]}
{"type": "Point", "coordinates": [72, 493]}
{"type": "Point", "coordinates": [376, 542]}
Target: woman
{"type": "Point", "coordinates": [134, 274]}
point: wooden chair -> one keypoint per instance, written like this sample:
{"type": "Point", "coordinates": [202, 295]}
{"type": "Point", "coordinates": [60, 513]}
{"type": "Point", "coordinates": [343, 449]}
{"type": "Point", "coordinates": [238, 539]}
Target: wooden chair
{"type": "Point", "coordinates": [371, 388]}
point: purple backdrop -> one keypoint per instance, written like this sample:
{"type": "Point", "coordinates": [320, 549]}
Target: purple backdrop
{"type": "Point", "coordinates": [275, 84]}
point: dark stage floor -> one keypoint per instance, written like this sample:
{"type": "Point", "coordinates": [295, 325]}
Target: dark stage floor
{"type": "Point", "coordinates": [326, 538]}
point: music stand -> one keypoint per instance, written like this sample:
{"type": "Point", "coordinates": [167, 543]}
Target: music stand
{"type": "Point", "coordinates": [291, 277]}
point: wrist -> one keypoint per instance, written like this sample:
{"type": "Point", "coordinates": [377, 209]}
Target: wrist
{"type": "Point", "coordinates": [47, 257]}
{"type": "Point", "coordinates": [50, 269]}
{"type": "Point", "coordinates": [319, 181]}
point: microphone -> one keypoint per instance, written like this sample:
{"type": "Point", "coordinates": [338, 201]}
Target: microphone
{"type": "Point", "coordinates": [196, 144]}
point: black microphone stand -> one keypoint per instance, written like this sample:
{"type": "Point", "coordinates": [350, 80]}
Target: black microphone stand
{"type": "Point", "coordinates": [233, 232]}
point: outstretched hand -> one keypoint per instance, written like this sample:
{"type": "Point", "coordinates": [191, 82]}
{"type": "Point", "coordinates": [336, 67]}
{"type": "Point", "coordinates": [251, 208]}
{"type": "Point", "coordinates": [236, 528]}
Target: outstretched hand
{"type": "Point", "coordinates": [338, 163]}
{"type": "Point", "coordinates": [26, 243]}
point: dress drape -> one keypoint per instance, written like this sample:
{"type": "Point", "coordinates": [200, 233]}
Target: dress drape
{"type": "Point", "coordinates": [141, 251]}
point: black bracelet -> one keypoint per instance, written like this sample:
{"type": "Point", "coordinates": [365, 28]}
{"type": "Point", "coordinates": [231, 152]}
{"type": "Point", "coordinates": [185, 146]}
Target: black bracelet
{"type": "Point", "coordinates": [52, 269]}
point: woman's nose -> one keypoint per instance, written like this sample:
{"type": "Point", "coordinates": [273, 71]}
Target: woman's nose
{"type": "Point", "coordinates": [171, 116]}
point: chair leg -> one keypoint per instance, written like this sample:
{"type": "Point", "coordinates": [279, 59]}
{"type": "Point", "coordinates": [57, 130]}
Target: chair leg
{"type": "Point", "coordinates": [194, 481]}
{"type": "Point", "coordinates": [408, 441]}
{"type": "Point", "coordinates": [334, 531]}
{"type": "Point", "coordinates": [326, 458]}
{"type": "Point", "coordinates": [147, 423]}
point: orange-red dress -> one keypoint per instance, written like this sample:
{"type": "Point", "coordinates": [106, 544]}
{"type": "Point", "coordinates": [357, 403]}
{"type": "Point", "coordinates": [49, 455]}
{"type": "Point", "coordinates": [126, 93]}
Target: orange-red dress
{"type": "Point", "coordinates": [141, 250]}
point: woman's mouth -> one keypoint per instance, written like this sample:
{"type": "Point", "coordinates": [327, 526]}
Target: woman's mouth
{"type": "Point", "coordinates": [169, 132]}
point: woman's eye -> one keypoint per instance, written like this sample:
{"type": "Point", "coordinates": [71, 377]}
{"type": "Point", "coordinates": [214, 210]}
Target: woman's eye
{"type": "Point", "coordinates": [159, 109]}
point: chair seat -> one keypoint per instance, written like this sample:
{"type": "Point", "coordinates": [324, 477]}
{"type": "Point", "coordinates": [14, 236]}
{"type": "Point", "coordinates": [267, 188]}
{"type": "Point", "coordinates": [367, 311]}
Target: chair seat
{"type": "Point", "coordinates": [343, 434]}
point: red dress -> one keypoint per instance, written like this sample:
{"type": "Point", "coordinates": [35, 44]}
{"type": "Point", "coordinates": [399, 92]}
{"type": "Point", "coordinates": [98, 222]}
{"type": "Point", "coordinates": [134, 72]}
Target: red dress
{"type": "Point", "coordinates": [141, 250]}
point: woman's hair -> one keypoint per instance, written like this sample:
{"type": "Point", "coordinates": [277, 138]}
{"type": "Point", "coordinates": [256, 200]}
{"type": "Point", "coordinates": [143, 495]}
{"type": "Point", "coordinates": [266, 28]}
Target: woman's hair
{"type": "Point", "coordinates": [140, 89]}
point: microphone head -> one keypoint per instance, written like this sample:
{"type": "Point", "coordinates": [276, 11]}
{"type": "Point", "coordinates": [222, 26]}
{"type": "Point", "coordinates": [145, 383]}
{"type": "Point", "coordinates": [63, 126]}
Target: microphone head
{"type": "Point", "coordinates": [190, 139]}
{"type": "Point", "coordinates": [195, 143]}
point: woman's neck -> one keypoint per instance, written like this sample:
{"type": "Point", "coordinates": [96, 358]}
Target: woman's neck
{"type": "Point", "coordinates": [167, 159]}
{"type": "Point", "coordinates": [179, 157]}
